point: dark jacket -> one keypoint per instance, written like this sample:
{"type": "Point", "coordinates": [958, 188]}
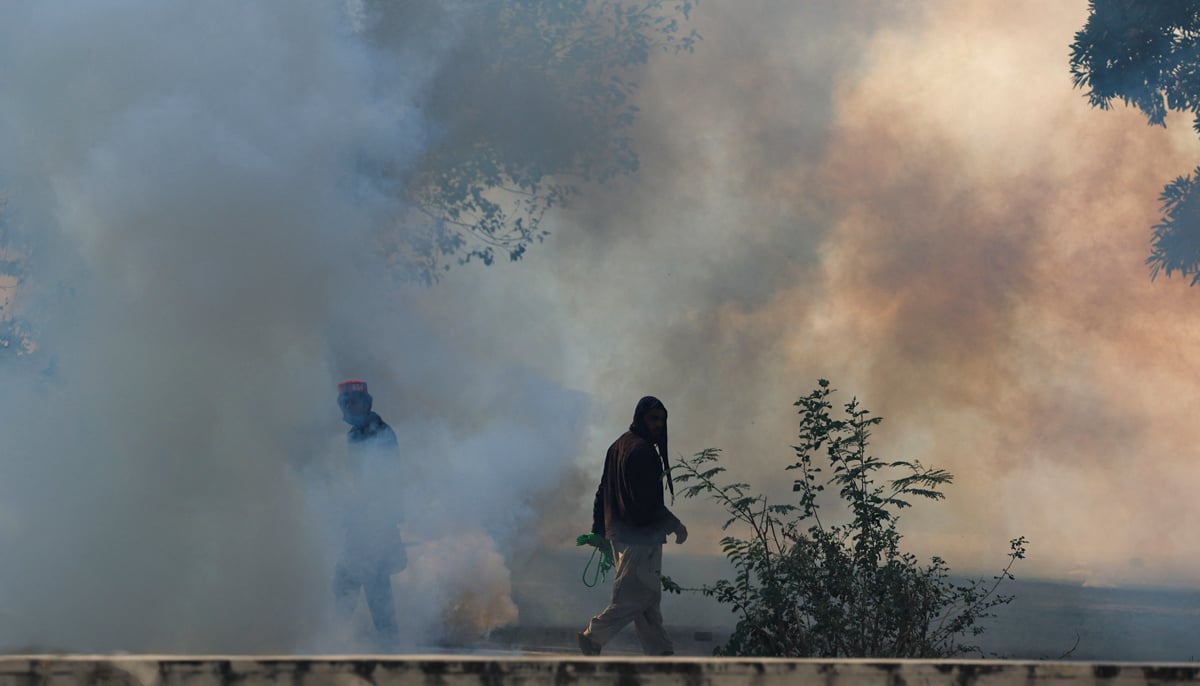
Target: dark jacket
{"type": "Point", "coordinates": [373, 511]}
{"type": "Point", "coordinates": [376, 432]}
{"type": "Point", "coordinates": [629, 504]}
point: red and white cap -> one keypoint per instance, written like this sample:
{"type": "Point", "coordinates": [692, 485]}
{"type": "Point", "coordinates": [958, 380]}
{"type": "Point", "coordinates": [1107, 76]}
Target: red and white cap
{"type": "Point", "coordinates": [352, 386]}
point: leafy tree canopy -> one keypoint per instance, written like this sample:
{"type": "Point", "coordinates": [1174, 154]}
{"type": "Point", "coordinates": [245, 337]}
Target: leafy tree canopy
{"type": "Point", "coordinates": [1146, 53]}
{"type": "Point", "coordinates": [531, 98]}
{"type": "Point", "coordinates": [527, 99]}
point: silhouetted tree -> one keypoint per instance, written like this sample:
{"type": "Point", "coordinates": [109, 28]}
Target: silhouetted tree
{"type": "Point", "coordinates": [526, 99]}
{"type": "Point", "coordinates": [530, 98]}
{"type": "Point", "coordinates": [1146, 53]}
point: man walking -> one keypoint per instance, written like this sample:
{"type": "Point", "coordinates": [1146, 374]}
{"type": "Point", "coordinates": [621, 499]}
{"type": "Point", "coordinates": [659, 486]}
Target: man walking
{"type": "Point", "coordinates": [371, 547]}
{"type": "Point", "coordinates": [629, 511]}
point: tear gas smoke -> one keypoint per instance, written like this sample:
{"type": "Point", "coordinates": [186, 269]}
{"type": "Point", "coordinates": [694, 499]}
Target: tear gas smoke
{"type": "Point", "coordinates": [906, 198]}
{"type": "Point", "coordinates": [191, 180]}
{"type": "Point", "coordinates": [911, 200]}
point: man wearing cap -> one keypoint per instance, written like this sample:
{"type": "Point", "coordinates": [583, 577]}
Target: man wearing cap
{"type": "Point", "coordinates": [371, 548]}
{"type": "Point", "coordinates": [629, 510]}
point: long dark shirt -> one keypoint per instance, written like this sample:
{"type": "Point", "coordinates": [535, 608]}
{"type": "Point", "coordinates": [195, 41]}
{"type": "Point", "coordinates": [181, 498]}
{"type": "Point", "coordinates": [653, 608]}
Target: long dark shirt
{"type": "Point", "coordinates": [629, 504]}
{"type": "Point", "coordinates": [372, 506]}
{"type": "Point", "coordinates": [375, 432]}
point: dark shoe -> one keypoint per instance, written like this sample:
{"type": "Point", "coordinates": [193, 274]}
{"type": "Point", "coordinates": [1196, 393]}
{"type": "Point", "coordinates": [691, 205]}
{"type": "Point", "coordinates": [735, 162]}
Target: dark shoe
{"type": "Point", "coordinates": [586, 645]}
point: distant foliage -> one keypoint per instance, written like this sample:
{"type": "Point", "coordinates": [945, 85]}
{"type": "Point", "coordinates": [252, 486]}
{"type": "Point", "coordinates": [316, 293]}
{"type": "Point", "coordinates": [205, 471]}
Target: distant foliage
{"type": "Point", "coordinates": [814, 585]}
{"type": "Point", "coordinates": [536, 97]}
{"type": "Point", "coordinates": [1146, 53]}
{"type": "Point", "coordinates": [528, 99]}
{"type": "Point", "coordinates": [16, 332]}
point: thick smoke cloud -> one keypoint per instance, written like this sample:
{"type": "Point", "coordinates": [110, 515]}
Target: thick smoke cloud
{"type": "Point", "coordinates": [1011, 313]}
{"type": "Point", "coordinates": [912, 201]}
{"type": "Point", "coordinates": [906, 198]}
{"type": "Point", "coordinates": [700, 276]}
{"type": "Point", "coordinates": [196, 184]}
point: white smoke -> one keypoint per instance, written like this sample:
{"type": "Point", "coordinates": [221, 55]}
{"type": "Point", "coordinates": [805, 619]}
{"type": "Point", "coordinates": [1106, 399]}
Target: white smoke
{"type": "Point", "coordinates": [190, 176]}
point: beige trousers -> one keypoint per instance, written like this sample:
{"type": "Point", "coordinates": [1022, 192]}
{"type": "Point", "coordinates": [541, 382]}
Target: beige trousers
{"type": "Point", "coordinates": [636, 595]}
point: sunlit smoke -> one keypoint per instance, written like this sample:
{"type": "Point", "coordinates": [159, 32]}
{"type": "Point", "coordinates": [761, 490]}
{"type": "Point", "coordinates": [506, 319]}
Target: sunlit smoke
{"type": "Point", "coordinates": [911, 200]}
{"type": "Point", "coordinates": [907, 198]}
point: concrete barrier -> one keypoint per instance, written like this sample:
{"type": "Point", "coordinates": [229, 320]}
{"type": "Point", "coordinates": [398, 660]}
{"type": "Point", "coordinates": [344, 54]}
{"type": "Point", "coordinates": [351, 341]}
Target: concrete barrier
{"type": "Point", "coordinates": [77, 670]}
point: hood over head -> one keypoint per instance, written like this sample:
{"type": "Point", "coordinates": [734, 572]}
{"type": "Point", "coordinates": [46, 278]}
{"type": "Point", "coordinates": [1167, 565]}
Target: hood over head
{"type": "Point", "coordinates": [638, 427]}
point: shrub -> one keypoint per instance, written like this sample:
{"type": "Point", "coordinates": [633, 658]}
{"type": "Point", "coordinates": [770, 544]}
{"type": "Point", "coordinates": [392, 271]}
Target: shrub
{"type": "Point", "coordinates": [809, 587]}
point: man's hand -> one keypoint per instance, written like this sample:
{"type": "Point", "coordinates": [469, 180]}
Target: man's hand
{"type": "Point", "coordinates": [680, 533]}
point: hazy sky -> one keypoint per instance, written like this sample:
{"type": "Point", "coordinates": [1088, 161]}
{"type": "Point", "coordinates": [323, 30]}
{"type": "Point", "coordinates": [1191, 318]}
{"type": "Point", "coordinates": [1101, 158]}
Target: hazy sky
{"type": "Point", "coordinates": [906, 198]}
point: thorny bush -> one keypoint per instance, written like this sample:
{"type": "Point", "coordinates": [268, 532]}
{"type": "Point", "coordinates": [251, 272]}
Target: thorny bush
{"type": "Point", "coordinates": [805, 586]}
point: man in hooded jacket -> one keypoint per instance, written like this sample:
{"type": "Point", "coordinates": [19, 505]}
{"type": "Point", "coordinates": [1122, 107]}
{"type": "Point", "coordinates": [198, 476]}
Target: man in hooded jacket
{"type": "Point", "coordinates": [371, 549]}
{"type": "Point", "coordinates": [629, 511]}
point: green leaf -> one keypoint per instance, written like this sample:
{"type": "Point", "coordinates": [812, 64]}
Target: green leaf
{"type": "Point", "coordinates": [804, 587]}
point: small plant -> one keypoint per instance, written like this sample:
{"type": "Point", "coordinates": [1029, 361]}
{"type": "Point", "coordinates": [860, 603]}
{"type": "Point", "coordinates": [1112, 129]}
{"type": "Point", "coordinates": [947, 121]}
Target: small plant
{"type": "Point", "coordinates": [808, 587]}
